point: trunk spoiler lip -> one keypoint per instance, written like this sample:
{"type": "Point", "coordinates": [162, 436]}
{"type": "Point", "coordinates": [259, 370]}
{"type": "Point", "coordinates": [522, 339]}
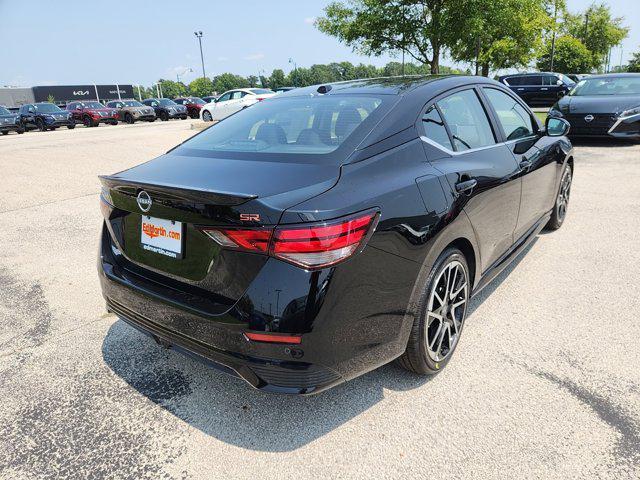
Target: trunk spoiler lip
{"type": "Point", "coordinates": [181, 191]}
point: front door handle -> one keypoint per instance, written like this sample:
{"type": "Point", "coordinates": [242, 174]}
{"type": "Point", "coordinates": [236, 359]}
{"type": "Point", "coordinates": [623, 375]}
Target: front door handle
{"type": "Point", "coordinates": [467, 186]}
{"type": "Point", "coordinates": [525, 164]}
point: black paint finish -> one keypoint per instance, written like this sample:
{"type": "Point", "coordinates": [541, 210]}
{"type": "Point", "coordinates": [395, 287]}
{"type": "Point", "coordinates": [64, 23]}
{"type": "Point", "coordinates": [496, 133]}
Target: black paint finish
{"type": "Point", "coordinates": [355, 316]}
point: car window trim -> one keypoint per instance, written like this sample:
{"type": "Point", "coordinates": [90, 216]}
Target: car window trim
{"type": "Point", "coordinates": [497, 129]}
{"type": "Point", "coordinates": [497, 137]}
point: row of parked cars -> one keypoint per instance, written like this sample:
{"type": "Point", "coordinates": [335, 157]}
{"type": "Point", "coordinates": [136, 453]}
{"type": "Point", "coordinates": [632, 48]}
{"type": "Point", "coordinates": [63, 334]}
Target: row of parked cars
{"type": "Point", "coordinates": [91, 113]}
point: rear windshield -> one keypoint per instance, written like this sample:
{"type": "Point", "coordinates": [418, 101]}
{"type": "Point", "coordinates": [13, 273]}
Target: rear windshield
{"type": "Point", "coordinates": [260, 91]}
{"type": "Point", "coordinates": [313, 126]}
{"type": "Point", "coordinates": [46, 108]}
{"type": "Point", "coordinates": [165, 102]}
{"type": "Point", "coordinates": [607, 86]}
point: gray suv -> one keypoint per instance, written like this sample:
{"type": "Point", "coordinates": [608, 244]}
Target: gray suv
{"type": "Point", "coordinates": [130, 111]}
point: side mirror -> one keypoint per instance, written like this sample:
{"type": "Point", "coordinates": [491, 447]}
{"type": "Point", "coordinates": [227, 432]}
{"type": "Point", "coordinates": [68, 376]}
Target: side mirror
{"type": "Point", "coordinates": [559, 82]}
{"type": "Point", "coordinates": [557, 127]}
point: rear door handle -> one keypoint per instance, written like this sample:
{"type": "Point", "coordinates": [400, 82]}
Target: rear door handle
{"type": "Point", "coordinates": [467, 186]}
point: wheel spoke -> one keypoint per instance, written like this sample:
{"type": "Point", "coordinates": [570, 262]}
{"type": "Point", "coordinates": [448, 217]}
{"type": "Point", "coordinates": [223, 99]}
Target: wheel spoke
{"type": "Point", "coordinates": [435, 337]}
{"type": "Point", "coordinates": [443, 330]}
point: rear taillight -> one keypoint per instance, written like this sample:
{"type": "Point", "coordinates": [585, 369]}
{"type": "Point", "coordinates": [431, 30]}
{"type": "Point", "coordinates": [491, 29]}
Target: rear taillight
{"type": "Point", "coordinates": [310, 246]}
{"type": "Point", "coordinates": [260, 98]}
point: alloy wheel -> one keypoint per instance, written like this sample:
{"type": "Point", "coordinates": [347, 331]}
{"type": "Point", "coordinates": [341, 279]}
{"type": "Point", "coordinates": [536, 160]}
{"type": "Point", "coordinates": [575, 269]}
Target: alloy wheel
{"type": "Point", "coordinates": [446, 310]}
{"type": "Point", "coordinates": [562, 202]}
{"type": "Point", "coordinates": [206, 116]}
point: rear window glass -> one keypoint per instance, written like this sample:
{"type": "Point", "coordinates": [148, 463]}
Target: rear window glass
{"type": "Point", "coordinates": [467, 120]}
{"type": "Point", "coordinates": [298, 125]}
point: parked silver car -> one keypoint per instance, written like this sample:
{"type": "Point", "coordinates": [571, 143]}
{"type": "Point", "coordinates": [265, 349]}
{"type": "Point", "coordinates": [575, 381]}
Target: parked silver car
{"type": "Point", "coordinates": [130, 111]}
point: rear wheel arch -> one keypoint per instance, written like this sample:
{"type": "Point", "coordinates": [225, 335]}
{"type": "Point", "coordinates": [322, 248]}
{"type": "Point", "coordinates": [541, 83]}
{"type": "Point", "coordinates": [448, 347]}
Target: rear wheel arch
{"type": "Point", "coordinates": [466, 247]}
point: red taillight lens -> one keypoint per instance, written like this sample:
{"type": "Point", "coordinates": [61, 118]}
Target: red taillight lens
{"type": "Point", "coordinates": [309, 245]}
{"type": "Point", "coordinates": [248, 240]}
{"type": "Point", "coordinates": [313, 246]}
{"type": "Point", "coordinates": [273, 338]}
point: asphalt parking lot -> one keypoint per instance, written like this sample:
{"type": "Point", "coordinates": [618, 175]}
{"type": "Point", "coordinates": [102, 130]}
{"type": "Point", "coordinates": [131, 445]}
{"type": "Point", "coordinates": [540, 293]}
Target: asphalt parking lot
{"type": "Point", "coordinates": [545, 382]}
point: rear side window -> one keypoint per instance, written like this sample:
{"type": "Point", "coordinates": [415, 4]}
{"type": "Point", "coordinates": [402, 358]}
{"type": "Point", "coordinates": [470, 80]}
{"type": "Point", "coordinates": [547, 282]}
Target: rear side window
{"type": "Point", "coordinates": [467, 120]}
{"type": "Point", "coordinates": [514, 119]}
{"type": "Point", "coordinates": [533, 80]}
{"type": "Point", "coordinates": [434, 128]}
{"type": "Point", "coordinates": [514, 81]}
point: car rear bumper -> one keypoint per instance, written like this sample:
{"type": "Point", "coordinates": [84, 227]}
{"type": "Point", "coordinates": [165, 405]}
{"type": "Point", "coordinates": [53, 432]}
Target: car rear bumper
{"type": "Point", "coordinates": [345, 330]}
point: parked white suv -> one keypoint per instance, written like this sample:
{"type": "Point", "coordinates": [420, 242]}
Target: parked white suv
{"type": "Point", "coordinates": [232, 101]}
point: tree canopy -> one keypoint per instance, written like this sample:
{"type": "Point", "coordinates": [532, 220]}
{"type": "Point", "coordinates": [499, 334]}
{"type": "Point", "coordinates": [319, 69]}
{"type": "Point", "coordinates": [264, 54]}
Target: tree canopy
{"type": "Point", "coordinates": [570, 56]}
{"type": "Point", "coordinates": [634, 63]}
{"type": "Point", "coordinates": [422, 29]}
{"type": "Point", "coordinates": [598, 30]}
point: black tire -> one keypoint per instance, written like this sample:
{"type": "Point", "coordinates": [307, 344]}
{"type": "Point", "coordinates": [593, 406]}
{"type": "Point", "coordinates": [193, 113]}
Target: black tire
{"type": "Point", "coordinates": [164, 116]}
{"type": "Point", "coordinates": [40, 125]}
{"type": "Point", "coordinates": [194, 114]}
{"type": "Point", "coordinates": [5, 132]}
{"type": "Point", "coordinates": [561, 204]}
{"type": "Point", "coordinates": [416, 357]}
{"type": "Point", "coordinates": [128, 118]}
{"type": "Point", "coordinates": [88, 121]}
{"type": "Point", "coordinates": [71, 127]}
{"type": "Point", "coordinates": [151, 120]}
{"type": "Point", "coordinates": [184, 117]}
{"type": "Point", "coordinates": [206, 116]}
{"type": "Point", "coordinates": [20, 130]}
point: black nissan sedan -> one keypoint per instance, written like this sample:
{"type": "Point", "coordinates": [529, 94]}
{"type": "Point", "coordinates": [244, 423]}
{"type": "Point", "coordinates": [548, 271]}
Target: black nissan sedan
{"type": "Point", "coordinates": [603, 106]}
{"type": "Point", "coordinates": [332, 229]}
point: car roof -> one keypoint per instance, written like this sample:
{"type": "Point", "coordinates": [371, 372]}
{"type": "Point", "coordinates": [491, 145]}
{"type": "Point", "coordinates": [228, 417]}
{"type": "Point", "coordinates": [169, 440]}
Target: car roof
{"type": "Point", "coordinates": [391, 85]}
{"type": "Point", "coordinates": [615, 75]}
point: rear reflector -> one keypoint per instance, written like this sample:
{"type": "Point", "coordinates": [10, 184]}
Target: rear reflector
{"type": "Point", "coordinates": [308, 245]}
{"type": "Point", "coordinates": [273, 338]}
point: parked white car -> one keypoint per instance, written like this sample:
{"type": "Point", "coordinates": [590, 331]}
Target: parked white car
{"type": "Point", "coordinates": [232, 101]}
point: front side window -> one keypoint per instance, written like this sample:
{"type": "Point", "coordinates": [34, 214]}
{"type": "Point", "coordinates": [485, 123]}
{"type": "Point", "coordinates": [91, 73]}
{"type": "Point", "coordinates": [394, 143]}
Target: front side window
{"type": "Point", "coordinates": [514, 119]}
{"type": "Point", "coordinates": [237, 95]}
{"type": "Point", "coordinates": [315, 125]}
{"type": "Point", "coordinates": [225, 97]}
{"type": "Point", "coordinates": [550, 80]}
{"type": "Point", "coordinates": [467, 120]}
{"type": "Point", "coordinates": [434, 128]}
{"type": "Point", "coordinates": [533, 80]}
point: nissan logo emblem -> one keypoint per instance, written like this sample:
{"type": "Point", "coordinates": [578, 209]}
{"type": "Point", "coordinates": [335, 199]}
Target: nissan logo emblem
{"type": "Point", "coordinates": [144, 201]}
{"type": "Point", "coordinates": [589, 118]}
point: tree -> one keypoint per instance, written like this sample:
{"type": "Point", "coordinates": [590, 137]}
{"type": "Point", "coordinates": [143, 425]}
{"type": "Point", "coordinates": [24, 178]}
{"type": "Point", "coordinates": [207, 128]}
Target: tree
{"type": "Point", "coordinates": [634, 63]}
{"type": "Point", "coordinates": [201, 87]}
{"type": "Point", "coordinates": [171, 89]}
{"type": "Point", "coordinates": [504, 34]}
{"type": "Point", "coordinates": [422, 29]}
{"type": "Point", "coordinates": [277, 79]}
{"type": "Point", "coordinates": [252, 81]}
{"type": "Point", "coordinates": [228, 81]}
{"type": "Point", "coordinates": [570, 56]}
{"type": "Point", "coordinates": [598, 30]}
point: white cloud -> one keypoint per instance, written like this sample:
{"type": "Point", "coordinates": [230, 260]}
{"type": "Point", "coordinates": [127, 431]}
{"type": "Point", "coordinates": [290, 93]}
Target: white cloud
{"type": "Point", "coordinates": [254, 56]}
{"type": "Point", "coordinates": [309, 20]}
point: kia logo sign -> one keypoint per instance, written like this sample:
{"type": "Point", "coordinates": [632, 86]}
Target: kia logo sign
{"type": "Point", "coordinates": [144, 201]}
{"type": "Point", "coordinates": [81, 92]}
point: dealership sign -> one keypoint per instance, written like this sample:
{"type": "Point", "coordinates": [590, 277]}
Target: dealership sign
{"type": "Point", "coordinates": [64, 93]}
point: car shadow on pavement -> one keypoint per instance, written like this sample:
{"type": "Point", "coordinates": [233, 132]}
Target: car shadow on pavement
{"type": "Point", "coordinates": [231, 411]}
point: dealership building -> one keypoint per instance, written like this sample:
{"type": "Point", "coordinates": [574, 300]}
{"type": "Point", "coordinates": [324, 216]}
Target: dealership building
{"type": "Point", "coordinates": [61, 94]}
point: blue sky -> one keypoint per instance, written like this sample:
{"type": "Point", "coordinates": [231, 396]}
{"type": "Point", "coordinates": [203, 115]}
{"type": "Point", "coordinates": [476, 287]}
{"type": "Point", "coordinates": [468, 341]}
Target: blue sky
{"type": "Point", "coordinates": [48, 42]}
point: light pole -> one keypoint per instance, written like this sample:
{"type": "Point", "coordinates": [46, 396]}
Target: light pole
{"type": "Point", "coordinates": [295, 70]}
{"type": "Point", "coordinates": [185, 71]}
{"type": "Point", "coordinates": [553, 38]}
{"type": "Point", "coordinates": [199, 35]}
